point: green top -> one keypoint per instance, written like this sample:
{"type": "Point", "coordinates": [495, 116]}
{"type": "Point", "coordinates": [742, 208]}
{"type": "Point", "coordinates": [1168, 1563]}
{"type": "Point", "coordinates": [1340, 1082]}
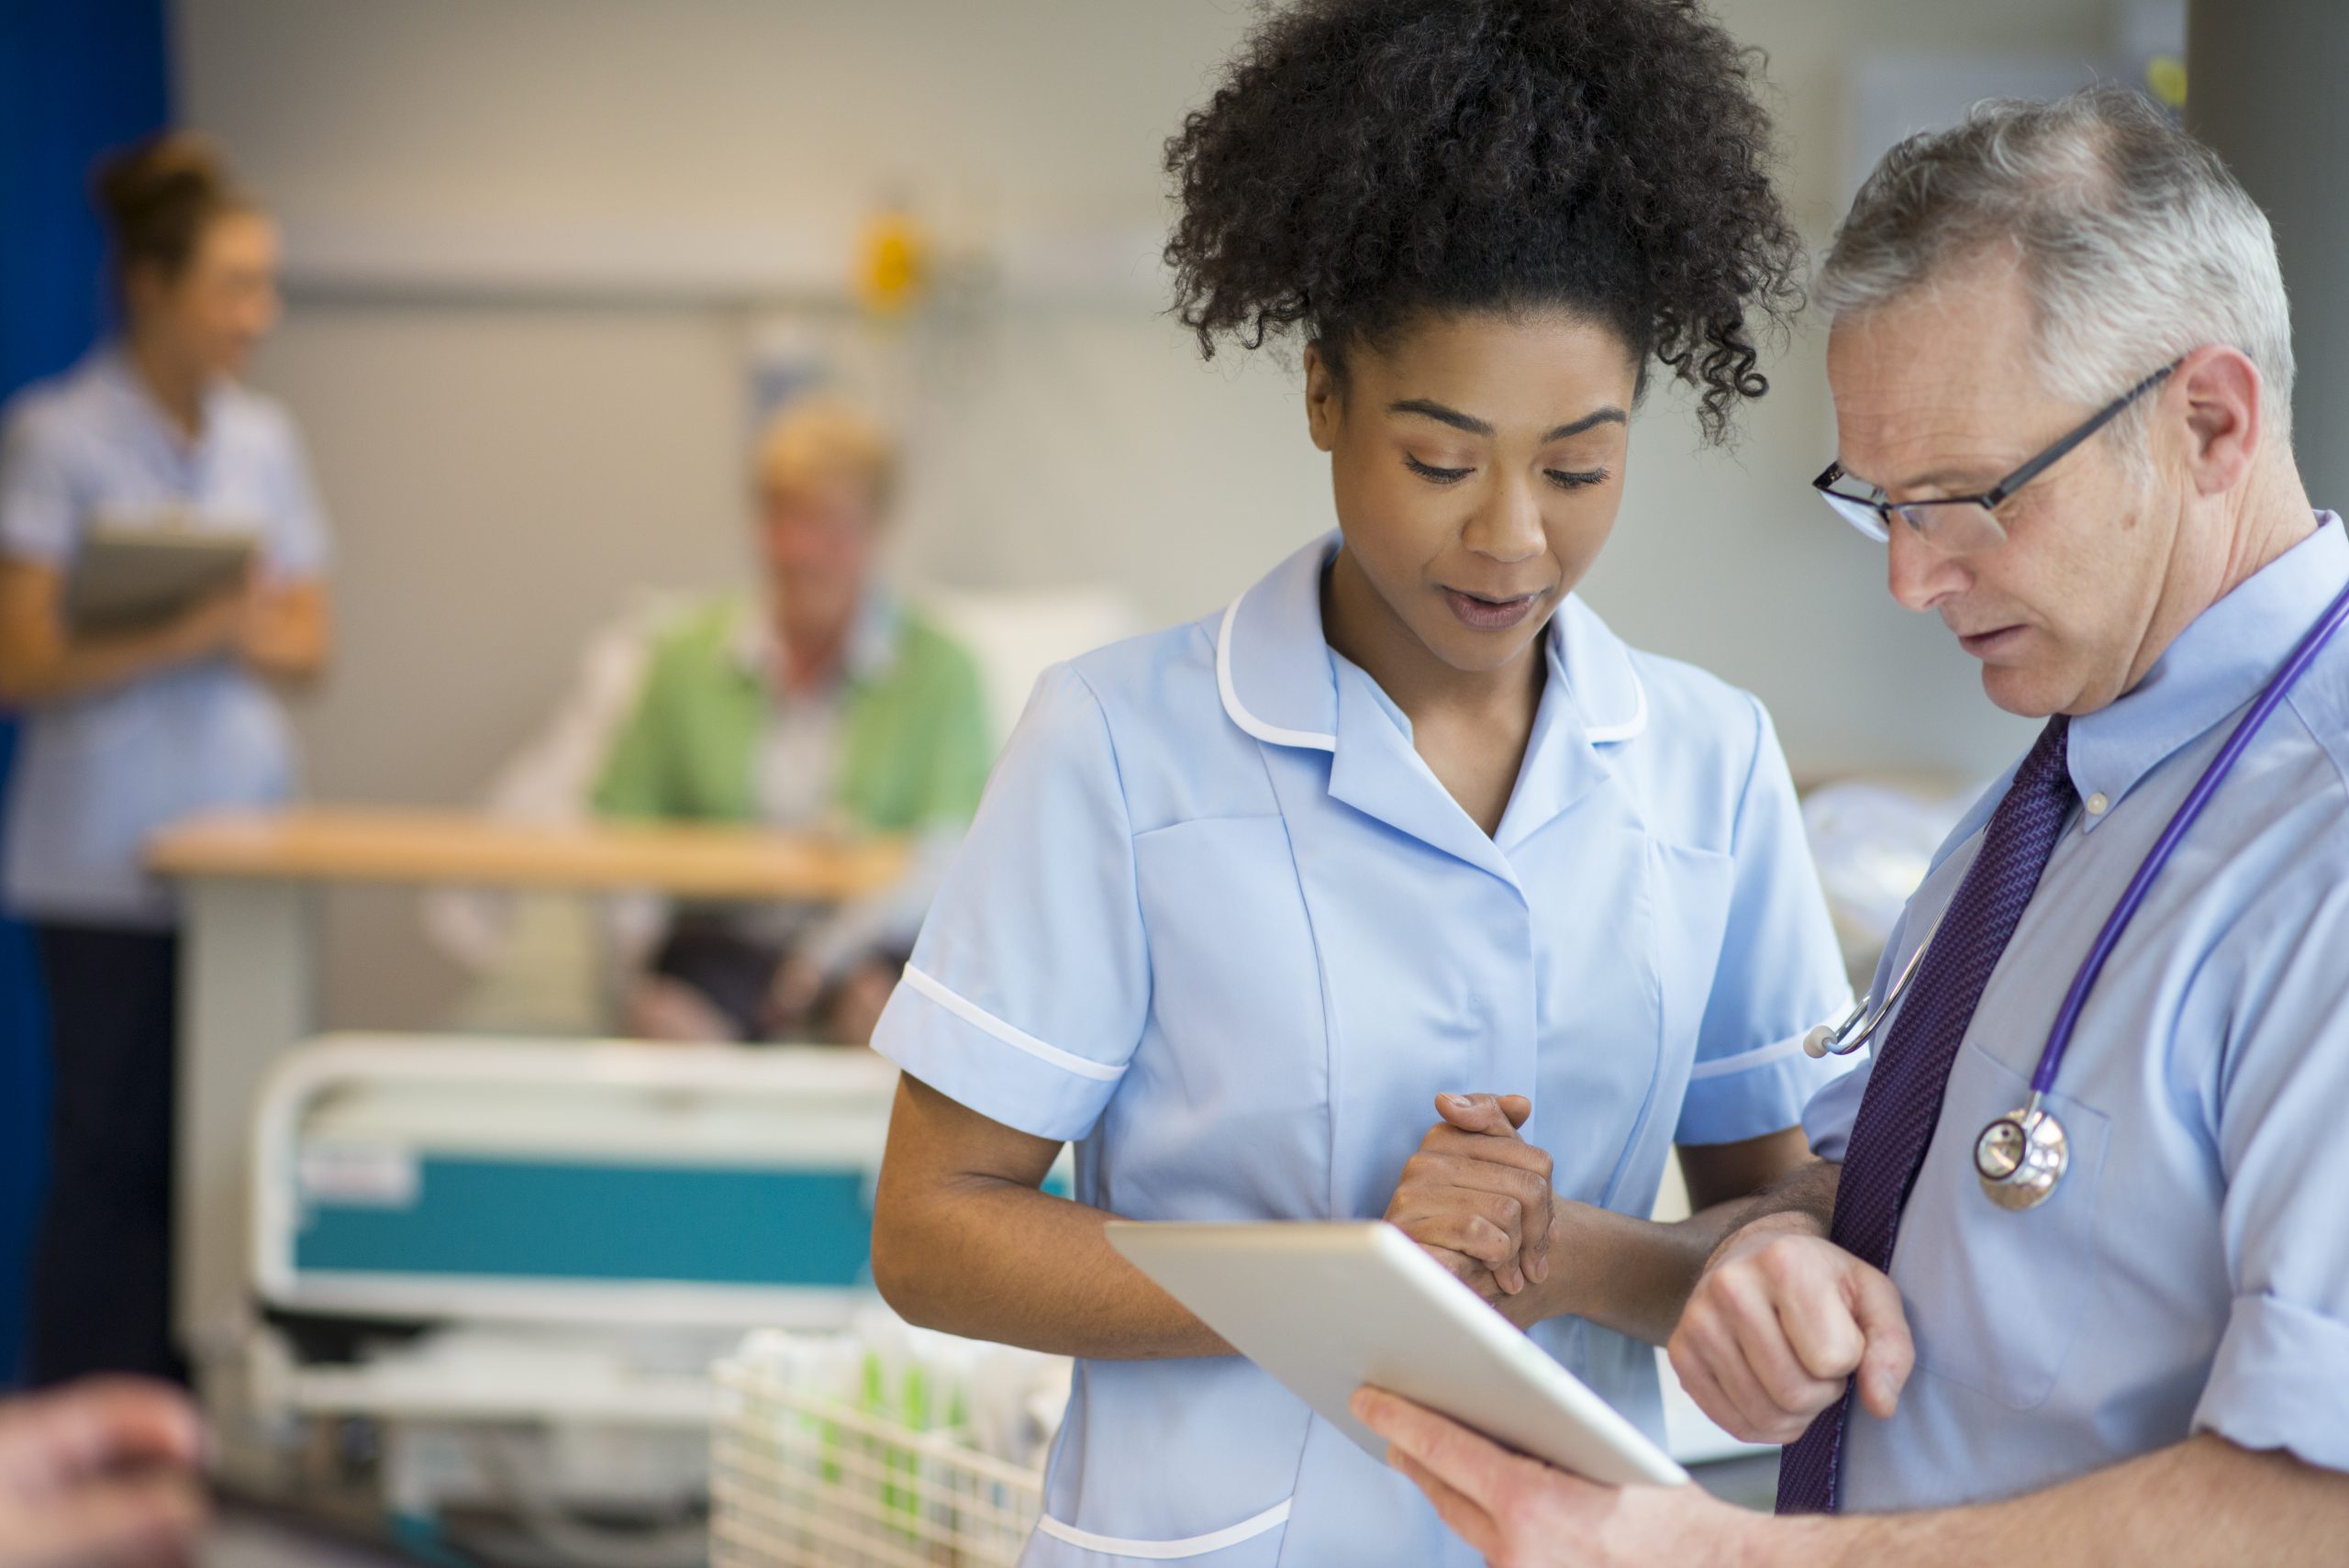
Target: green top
{"type": "Point", "coordinates": [914, 753]}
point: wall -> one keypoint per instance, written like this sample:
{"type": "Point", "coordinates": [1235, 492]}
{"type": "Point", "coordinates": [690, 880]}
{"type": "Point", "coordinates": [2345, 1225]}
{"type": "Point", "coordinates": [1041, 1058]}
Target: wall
{"type": "Point", "coordinates": [2265, 99]}
{"type": "Point", "coordinates": [503, 473]}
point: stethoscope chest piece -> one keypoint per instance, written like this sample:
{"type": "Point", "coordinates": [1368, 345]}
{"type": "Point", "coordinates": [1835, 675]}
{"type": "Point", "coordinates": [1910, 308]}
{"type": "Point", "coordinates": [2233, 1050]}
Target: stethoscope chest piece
{"type": "Point", "coordinates": [2021, 1157]}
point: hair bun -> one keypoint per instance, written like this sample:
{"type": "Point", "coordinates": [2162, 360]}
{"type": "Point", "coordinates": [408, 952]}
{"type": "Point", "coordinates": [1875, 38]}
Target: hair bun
{"type": "Point", "coordinates": [157, 195]}
{"type": "Point", "coordinates": [175, 164]}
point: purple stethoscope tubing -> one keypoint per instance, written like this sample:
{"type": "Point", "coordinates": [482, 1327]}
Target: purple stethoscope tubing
{"type": "Point", "coordinates": [2279, 686]}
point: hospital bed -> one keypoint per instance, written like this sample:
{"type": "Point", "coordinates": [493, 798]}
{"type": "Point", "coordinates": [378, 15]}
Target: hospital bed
{"type": "Point", "coordinates": [491, 1275]}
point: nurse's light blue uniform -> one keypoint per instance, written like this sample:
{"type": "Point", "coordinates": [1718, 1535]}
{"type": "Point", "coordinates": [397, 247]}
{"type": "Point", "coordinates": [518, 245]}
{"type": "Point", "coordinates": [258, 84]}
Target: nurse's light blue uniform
{"type": "Point", "coordinates": [1219, 923]}
{"type": "Point", "coordinates": [97, 774]}
{"type": "Point", "coordinates": [2192, 1272]}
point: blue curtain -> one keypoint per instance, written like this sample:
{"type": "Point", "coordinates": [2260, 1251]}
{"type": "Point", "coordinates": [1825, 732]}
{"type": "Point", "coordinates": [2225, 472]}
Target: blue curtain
{"type": "Point", "coordinates": [77, 77]}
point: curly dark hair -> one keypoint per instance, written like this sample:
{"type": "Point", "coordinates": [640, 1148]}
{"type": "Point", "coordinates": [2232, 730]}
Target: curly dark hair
{"type": "Point", "coordinates": [1366, 160]}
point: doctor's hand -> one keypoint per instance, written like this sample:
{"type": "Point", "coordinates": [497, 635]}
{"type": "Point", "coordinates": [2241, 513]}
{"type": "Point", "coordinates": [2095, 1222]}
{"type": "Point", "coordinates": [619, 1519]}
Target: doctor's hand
{"type": "Point", "coordinates": [1779, 1321]}
{"type": "Point", "coordinates": [1477, 1196]}
{"type": "Point", "coordinates": [99, 1475]}
{"type": "Point", "coordinates": [1519, 1513]}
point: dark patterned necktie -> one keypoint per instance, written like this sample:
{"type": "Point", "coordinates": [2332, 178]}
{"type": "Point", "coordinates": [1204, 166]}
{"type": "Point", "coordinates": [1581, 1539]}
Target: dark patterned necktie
{"type": "Point", "coordinates": [1903, 1101]}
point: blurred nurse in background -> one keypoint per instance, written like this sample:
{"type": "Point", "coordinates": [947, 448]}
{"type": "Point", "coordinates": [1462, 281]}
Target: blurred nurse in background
{"type": "Point", "coordinates": [821, 703]}
{"type": "Point", "coordinates": [129, 729]}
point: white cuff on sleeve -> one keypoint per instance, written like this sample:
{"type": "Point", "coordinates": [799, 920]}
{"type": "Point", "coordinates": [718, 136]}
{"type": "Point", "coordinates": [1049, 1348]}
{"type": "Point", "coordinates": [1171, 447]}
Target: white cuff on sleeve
{"type": "Point", "coordinates": [991, 1065]}
{"type": "Point", "coordinates": [1751, 1093]}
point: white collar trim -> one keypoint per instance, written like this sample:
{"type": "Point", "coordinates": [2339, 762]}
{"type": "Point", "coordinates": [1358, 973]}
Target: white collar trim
{"type": "Point", "coordinates": [1271, 733]}
{"type": "Point", "coordinates": [1603, 734]}
{"type": "Point", "coordinates": [1582, 641]}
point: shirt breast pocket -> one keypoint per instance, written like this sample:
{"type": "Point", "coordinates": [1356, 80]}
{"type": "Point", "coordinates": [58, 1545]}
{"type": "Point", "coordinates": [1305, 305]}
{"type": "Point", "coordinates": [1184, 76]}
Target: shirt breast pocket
{"type": "Point", "coordinates": [1222, 1114]}
{"type": "Point", "coordinates": [1997, 1299]}
{"type": "Point", "coordinates": [1694, 890]}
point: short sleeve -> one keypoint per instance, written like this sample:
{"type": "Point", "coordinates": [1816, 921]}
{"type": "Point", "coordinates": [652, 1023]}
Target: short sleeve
{"type": "Point", "coordinates": [1027, 989]}
{"type": "Point", "coordinates": [38, 520]}
{"type": "Point", "coordinates": [2283, 1360]}
{"type": "Point", "coordinates": [1780, 971]}
{"type": "Point", "coordinates": [1827, 1120]}
{"type": "Point", "coordinates": [299, 544]}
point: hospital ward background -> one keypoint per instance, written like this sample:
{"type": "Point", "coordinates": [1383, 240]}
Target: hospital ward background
{"type": "Point", "coordinates": [523, 1136]}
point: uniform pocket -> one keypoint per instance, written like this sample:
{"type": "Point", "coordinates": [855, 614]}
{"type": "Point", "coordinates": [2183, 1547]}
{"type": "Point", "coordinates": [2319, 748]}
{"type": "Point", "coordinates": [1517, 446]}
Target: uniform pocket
{"type": "Point", "coordinates": [1191, 1462]}
{"type": "Point", "coordinates": [1231, 952]}
{"type": "Point", "coordinates": [1996, 1298]}
{"type": "Point", "coordinates": [1223, 1114]}
{"type": "Point", "coordinates": [1245, 1543]}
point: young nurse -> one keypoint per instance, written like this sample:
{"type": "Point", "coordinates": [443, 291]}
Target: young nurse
{"type": "Point", "coordinates": [1405, 820]}
{"type": "Point", "coordinates": [129, 729]}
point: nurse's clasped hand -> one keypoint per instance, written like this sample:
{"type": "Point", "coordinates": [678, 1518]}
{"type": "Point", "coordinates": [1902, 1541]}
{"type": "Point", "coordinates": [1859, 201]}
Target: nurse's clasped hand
{"type": "Point", "coordinates": [1478, 1196]}
{"type": "Point", "coordinates": [274, 629]}
{"type": "Point", "coordinates": [1780, 1319]}
{"type": "Point", "coordinates": [219, 623]}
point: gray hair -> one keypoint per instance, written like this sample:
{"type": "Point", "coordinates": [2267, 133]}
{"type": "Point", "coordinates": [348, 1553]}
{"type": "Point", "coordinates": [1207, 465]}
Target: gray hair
{"type": "Point", "coordinates": [2136, 243]}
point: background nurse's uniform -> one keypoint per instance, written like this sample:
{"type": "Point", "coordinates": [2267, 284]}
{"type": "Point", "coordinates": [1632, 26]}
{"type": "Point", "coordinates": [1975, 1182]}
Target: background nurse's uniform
{"type": "Point", "coordinates": [128, 733]}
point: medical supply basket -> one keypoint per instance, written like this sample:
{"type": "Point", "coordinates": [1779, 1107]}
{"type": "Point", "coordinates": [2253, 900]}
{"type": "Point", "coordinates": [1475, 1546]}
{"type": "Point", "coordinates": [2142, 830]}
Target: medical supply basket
{"type": "Point", "coordinates": [806, 1480]}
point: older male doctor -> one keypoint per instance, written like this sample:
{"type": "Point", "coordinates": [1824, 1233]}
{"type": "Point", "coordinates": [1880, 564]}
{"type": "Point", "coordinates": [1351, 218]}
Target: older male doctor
{"type": "Point", "coordinates": [2062, 368]}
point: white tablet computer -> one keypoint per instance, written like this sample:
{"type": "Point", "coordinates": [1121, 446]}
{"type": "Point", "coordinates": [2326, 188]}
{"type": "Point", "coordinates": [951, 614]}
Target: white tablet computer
{"type": "Point", "coordinates": [1325, 1308]}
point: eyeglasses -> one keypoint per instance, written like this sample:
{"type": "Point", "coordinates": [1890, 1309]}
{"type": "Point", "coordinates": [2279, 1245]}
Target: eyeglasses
{"type": "Point", "coordinates": [1959, 525]}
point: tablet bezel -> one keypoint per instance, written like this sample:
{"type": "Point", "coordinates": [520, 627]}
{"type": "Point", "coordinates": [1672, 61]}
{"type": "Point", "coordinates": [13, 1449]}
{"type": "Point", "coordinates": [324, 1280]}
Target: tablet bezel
{"type": "Point", "coordinates": [1325, 1308]}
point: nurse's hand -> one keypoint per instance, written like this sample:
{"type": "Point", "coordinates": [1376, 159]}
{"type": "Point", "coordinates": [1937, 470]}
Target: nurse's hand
{"type": "Point", "coordinates": [1477, 1196]}
{"type": "Point", "coordinates": [1780, 1319]}
{"type": "Point", "coordinates": [100, 1473]}
{"type": "Point", "coordinates": [1519, 1513]}
{"type": "Point", "coordinates": [211, 626]}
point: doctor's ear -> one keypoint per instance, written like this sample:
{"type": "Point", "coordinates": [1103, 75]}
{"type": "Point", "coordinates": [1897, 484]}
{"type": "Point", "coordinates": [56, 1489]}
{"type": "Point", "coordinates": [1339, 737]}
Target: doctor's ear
{"type": "Point", "coordinates": [1325, 397]}
{"type": "Point", "coordinates": [2221, 388]}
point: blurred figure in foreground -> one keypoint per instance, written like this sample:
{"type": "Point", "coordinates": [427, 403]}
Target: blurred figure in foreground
{"type": "Point", "coordinates": [102, 1474]}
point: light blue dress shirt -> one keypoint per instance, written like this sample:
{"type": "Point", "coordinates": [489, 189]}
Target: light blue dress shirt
{"type": "Point", "coordinates": [95, 775]}
{"type": "Point", "coordinates": [1218, 922]}
{"type": "Point", "coordinates": [2191, 1271]}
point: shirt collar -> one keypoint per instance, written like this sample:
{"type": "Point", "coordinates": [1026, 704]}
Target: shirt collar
{"type": "Point", "coordinates": [872, 641]}
{"type": "Point", "coordinates": [1276, 672]}
{"type": "Point", "coordinates": [2217, 665]}
{"type": "Point", "coordinates": [1272, 664]}
{"type": "Point", "coordinates": [110, 363]}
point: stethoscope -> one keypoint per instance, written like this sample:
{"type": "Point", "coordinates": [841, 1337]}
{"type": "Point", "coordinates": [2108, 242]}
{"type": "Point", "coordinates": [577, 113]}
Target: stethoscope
{"type": "Point", "coordinates": [2021, 1156]}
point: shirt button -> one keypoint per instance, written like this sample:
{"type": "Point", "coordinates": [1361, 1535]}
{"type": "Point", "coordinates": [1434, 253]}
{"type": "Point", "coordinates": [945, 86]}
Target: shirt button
{"type": "Point", "coordinates": [2096, 803]}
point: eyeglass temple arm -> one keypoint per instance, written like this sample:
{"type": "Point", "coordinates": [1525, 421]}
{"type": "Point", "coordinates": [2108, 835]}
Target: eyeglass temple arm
{"type": "Point", "coordinates": [2048, 458]}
